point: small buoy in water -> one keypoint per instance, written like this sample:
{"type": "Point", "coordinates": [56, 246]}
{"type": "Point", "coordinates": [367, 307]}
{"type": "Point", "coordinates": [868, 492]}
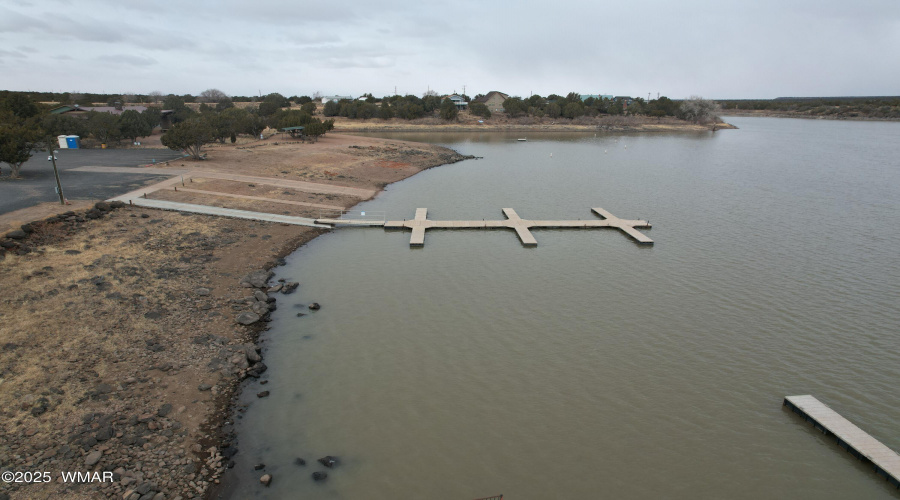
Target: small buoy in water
{"type": "Point", "coordinates": [551, 155]}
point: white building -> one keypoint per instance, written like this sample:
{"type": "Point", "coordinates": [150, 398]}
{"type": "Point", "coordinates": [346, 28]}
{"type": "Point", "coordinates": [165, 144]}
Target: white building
{"type": "Point", "coordinates": [336, 98]}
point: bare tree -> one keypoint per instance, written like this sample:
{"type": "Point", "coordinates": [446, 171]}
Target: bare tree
{"type": "Point", "coordinates": [699, 110]}
{"type": "Point", "coordinates": [155, 96]}
{"type": "Point", "coordinates": [212, 95]}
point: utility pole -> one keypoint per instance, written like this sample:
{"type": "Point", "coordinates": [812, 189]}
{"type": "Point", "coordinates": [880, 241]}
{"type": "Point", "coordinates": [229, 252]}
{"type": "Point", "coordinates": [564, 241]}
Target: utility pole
{"type": "Point", "coordinates": [648, 96]}
{"type": "Point", "coordinates": [62, 198]}
{"type": "Point", "coordinates": [464, 89]}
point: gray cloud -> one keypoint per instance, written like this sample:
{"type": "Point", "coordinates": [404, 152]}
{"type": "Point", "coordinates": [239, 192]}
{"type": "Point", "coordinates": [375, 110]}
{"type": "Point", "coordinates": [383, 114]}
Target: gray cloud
{"type": "Point", "coordinates": [12, 53]}
{"type": "Point", "coordinates": [133, 60]}
{"type": "Point", "coordinates": [766, 48]}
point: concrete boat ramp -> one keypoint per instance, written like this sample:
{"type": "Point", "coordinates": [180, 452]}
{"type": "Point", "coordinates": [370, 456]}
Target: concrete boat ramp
{"type": "Point", "coordinates": [420, 223]}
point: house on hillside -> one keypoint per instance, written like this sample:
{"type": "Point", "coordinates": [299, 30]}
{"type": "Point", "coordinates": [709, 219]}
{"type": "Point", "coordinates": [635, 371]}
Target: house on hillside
{"type": "Point", "coordinates": [460, 103]}
{"type": "Point", "coordinates": [76, 110]}
{"type": "Point", "coordinates": [493, 100]}
{"type": "Point", "coordinates": [336, 98]}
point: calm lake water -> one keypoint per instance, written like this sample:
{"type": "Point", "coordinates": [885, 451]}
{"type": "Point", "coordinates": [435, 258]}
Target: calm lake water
{"type": "Point", "coordinates": [589, 366]}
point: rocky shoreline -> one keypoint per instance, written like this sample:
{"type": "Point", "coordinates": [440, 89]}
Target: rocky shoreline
{"type": "Point", "coordinates": [125, 334]}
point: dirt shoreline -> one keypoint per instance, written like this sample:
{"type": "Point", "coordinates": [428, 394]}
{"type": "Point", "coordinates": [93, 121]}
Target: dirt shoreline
{"type": "Point", "coordinates": [119, 347]}
{"type": "Point", "coordinates": [502, 123]}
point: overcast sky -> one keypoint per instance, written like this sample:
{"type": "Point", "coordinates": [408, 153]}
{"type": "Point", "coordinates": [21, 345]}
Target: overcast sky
{"type": "Point", "coordinates": [716, 49]}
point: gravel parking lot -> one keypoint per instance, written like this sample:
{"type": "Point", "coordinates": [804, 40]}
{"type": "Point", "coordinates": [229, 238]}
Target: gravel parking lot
{"type": "Point", "coordinates": [38, 185]}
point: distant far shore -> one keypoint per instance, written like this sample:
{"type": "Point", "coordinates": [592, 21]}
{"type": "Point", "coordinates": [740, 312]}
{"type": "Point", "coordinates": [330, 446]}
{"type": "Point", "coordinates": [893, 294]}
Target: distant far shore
{"type": "Point", "coordinates": [504, 124]}
{"type": "Point", "coordinates": [800, 114]}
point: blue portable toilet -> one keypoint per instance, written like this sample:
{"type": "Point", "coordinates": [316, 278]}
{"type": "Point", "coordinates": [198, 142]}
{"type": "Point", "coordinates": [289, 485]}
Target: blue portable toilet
{"type": "Point", "coordinates": [72, 141]}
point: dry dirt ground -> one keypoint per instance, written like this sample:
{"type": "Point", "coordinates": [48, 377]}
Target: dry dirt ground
{"type": "Point", "coordinates": [120, 349]}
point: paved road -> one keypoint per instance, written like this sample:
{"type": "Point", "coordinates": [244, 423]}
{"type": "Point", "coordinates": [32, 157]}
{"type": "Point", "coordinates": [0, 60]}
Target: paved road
{"type": "Point", "coordinates": [38, 184]}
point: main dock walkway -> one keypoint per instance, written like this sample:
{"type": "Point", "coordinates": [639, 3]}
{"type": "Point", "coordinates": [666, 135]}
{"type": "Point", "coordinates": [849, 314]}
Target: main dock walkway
{"type": "Point", "coordinates": [850, 437]}
{"type": "Point", "coordinates": [225, 212]}
{"type": "Point", "coordinates": [420, 223]}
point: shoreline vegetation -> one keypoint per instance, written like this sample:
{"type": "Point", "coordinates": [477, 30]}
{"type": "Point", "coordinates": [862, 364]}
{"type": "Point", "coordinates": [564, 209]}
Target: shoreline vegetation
{"type": "Point", "coordinates": [123, 344]}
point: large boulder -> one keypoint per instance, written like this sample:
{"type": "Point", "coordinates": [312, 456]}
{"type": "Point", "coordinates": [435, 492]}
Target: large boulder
{"type": "Point", "coordinates": [260, 308]}
{"type": "Point", "coordinates": [257, 279]}
{"type": "Point", "coordinates": [247, 318]}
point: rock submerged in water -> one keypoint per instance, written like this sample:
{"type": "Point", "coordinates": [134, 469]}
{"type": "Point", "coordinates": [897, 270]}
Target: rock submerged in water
{"type": "Point", "coordinates": [315, 306]}
{"type": "Point", "coordinates": [328, 461]}
{"type": "Point", "coordinates": [262, 394]}
{"type": "Point", "coordinates": [266, 480]}
{"type": "Point", "coordinates": [299, 461]}
{"type": "Point", "coordinates": [289, 287]}
{"type": "Point", "coordinates": [319, 476]}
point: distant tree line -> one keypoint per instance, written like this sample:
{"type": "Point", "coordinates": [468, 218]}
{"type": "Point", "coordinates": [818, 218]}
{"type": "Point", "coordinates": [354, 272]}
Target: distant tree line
{"type": "Point", "coordinates": [572, 106]}
{"type": "Point", "coordinates": [156, 97]}
{"type": "Point", "coordinates": [829, 107]}
{"type": "Point", "coordinates": [408, 107]}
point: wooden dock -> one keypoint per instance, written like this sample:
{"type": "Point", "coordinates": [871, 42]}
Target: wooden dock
{"type": "Point", "coordinates": [420, 223]}
{"type": "Point", "coordinates": [849, 437]}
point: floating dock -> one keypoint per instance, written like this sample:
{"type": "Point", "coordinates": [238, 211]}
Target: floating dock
{"type": "Point", "coordinates": [420, 223]}
{"type": "Point", "coordinates": [849, 437]}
